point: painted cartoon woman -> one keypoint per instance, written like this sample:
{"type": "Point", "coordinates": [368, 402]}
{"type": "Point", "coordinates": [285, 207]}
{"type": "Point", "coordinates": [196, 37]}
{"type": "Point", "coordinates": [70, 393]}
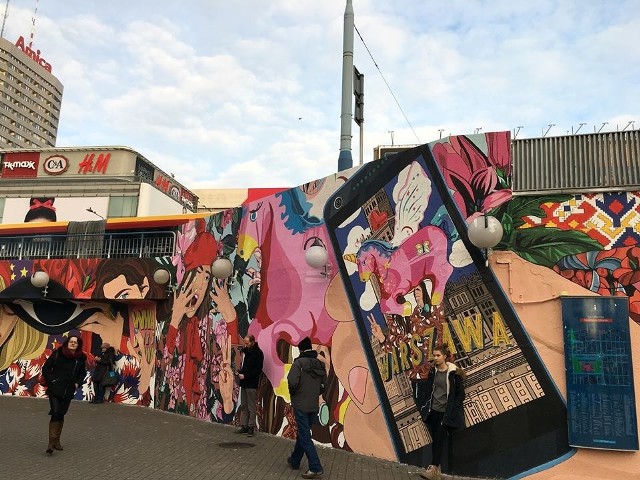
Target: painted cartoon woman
{"type": "Point", "coordinates": [41, 210]}
{"type": "Point", "coordinates": [128, 279]}
{"type": "Point", "coordinates": [187, 336]}
{"type": "Point", "coordinates": [18, 340]}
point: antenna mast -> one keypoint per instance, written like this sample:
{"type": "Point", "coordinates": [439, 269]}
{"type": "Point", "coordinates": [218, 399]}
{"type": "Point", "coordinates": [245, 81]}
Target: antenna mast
{"type": "Point", "coordinates": [4, 18]}
{"type": "Point", "coordinates": [33, 24]}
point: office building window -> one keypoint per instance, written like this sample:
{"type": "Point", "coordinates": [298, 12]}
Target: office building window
{"type": "Point", "coordinates": [123, 207]}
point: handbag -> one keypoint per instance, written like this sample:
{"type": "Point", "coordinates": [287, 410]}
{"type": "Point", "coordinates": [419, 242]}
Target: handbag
{"type": "Point", "coordinates": [110, 378]}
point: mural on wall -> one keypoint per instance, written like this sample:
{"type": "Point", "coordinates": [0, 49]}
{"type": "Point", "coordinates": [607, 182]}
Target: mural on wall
{"type": "Point", "coordinates": [598, 243]}
{"type": "Point", "coordinates": [400, 278]}
{"type": "Point", "coordinates": [32, 327]}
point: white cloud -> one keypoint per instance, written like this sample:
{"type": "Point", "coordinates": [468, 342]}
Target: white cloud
{"type": "Point", "coordinates": [214, 91]}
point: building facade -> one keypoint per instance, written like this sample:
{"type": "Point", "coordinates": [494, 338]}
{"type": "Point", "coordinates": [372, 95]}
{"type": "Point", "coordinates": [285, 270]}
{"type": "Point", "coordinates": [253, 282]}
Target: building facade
{"type": "Point", "coordinates": [86, 183]}
{"type": "Point", "coordinates": [30, 97]}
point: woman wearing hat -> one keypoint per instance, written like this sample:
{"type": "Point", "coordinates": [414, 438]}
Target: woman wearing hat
{"type": "Point", "coordinates": [184, 338]}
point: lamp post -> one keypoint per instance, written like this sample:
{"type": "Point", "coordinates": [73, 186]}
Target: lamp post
{"type": "Point", "coordinates": [485, 232]}
{"type": "Point", "coordinates": [345, 160]}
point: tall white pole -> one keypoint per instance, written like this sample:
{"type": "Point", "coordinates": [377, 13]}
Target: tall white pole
{"type": "Point", "coordinates": [345, 160]}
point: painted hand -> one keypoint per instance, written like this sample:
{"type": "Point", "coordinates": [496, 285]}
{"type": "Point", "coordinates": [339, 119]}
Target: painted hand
{"type": "Point", "coordinates": [220, 296]}
{"type": "Point", "coordinates": [138, 349]}
{"type": "Point", "coordinates": [376, 330]}
{"type": "Point", "coordinates": [225, 379]}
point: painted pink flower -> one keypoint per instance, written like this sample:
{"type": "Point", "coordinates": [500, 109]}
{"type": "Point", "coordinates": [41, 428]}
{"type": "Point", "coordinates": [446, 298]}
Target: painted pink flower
{"type": "Point", "coordinates": [476, 180]}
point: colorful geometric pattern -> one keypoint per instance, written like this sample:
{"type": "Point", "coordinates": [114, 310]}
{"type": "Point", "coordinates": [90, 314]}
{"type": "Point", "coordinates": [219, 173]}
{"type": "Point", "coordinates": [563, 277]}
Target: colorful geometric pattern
{"type": "Point", "coordinates": [612, 219]}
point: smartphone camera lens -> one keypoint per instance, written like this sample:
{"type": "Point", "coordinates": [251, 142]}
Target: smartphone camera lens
{"type": "Point", "coordinates": [337, 203]}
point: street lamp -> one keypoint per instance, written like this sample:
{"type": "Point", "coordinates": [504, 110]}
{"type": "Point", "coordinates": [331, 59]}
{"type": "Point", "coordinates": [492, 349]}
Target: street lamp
{"type": "Point", "coordinates": [485, 232]}
{"type": "Point", "coordinates": [40, 279]}
{"type": "Point", "coordinates": [222, 268]}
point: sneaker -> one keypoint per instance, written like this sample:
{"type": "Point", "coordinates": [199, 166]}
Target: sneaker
{"type": "Point", "coordinates": [311, 474]}
{"type": "Point", "coordinates": [290, 463]}
{"type": "Point", "coordinates": [243, 430]}
{"type": "Point", "coordinates": [431, 473]}
{"type": "Point", "coordinates": [250, 432]}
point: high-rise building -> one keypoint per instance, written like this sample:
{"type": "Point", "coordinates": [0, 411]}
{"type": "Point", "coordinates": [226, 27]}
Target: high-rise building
{"type": "Point", "coordinates": [30, 97]}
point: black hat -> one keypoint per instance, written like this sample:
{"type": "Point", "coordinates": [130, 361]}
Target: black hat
{"type": "Point", "coordinates": [305, 344]}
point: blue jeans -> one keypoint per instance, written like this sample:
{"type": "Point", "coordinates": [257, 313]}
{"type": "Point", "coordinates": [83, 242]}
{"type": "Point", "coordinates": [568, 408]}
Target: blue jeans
{"type": "Point", "coordinates": [304, 444]}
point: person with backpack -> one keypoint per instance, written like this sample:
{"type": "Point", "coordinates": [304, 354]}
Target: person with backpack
{"type": "Point", "coordinates": [307, 380]}
{"type": "Point", "coordinates": [64, 373]}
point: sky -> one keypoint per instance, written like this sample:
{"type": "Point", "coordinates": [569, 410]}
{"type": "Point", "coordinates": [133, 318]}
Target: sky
{"type": "Point", "coordinates": [247, 93]}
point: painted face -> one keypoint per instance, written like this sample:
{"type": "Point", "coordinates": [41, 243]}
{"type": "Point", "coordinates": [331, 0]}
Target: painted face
{"type": "Point", "coordinates": [73, 344]}
{"type": "Point", "coordinates": [417, 293]}
{"type": "Point", "coordinates": [196, 289]}
{"type": "Point", "coordinates": [119, 289]}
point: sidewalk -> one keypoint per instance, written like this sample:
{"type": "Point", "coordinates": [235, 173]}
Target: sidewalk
{"type": "Point", "coordinates": [120, 441]}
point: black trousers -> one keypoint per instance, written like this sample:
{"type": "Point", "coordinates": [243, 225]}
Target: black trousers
{"type": "Point", "coordinates": [439, 434]}
{"type": "Point", "coordinates": [59, 407]}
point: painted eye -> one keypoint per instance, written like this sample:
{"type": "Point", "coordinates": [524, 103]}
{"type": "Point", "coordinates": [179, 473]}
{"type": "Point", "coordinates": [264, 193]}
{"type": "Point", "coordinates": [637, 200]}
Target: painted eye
{"type": "Point", "coordinates": [253, 216]}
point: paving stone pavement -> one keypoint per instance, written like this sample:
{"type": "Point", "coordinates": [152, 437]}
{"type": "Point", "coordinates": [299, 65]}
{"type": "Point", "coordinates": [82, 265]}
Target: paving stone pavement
{"type": "Point", "coordinates": [128, 442]}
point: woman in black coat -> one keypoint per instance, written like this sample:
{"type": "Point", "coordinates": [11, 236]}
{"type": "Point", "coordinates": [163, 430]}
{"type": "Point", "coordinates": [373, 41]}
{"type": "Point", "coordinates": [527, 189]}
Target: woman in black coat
{"type": "Point", "coordinates": [104, 363]}
{"type": "Point", "coordinates": [440, 398]}
{"type": "Point", "coordinates": [64, 373]}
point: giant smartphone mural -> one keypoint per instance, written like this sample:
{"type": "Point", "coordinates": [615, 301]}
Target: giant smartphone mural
{"type": "Point", "coordinates": [400, 278]}
{"type": "Point", "coordinates": [399, 236]}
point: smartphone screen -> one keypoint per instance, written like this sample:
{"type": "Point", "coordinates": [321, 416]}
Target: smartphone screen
{"type": "Point", "coordinates": [415, 281]}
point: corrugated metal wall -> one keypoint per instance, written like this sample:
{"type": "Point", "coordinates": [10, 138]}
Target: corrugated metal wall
{"type": "Point", "coordinates": [577, 163]}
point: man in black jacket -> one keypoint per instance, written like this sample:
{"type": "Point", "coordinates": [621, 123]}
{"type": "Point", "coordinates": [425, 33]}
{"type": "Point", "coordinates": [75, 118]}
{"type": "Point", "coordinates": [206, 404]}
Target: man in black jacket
{"type": "Point", "coordinates": [307, 380]}
{"type": "Point", "coordinates": [249, 375]}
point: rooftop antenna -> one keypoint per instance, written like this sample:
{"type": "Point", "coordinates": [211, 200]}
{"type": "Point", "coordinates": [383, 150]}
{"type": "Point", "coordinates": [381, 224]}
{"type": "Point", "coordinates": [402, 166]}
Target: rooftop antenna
{"type": "Point", "coordinates": [550, 125]}
{"type": "Point", "coordinates": [33, 24]}
{"type": "Point", "coordinates": [4, 18]}
{"type": "Point", "coordinates": [630, 124]}
{"type": "Point", "coordinates": [600, 129]}
{"type": "Point", "coordinates": [582, 124]}
{"type": "Point", "coordinates": [516, 132]}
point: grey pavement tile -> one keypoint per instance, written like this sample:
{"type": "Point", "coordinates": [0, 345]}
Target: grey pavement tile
{"type": "Point", "coordinates": [105, 441]}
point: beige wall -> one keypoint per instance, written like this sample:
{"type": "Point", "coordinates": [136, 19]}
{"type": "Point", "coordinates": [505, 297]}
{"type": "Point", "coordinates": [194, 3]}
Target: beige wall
{"type": "Point", "coordinates": [535, 294]}
{"type": "Point", "coordinates": [210, 199]}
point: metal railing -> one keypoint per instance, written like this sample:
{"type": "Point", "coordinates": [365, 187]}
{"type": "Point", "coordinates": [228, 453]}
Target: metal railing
{"type": "Point", "coordinates": [105, 245]}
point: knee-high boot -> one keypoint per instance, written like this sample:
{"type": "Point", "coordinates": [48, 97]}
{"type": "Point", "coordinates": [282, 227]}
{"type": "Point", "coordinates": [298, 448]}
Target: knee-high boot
{"type": "Point", "coordinates": [52, 441]}
{"type": "Point", "coordinates": [58, 432]}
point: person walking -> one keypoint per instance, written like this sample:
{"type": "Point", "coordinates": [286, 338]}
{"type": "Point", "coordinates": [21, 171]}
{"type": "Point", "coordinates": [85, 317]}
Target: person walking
{"type": "Point", "coordinates": [440, 399]}
{"type": "Point", "coordinates": [248, 375]}
{"type": "Point", "coordinates": [104, 364]}
{"type": "Point", "coordinates": [307, 380]}
{"type": "Point", "coordinates": [64, 373]}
